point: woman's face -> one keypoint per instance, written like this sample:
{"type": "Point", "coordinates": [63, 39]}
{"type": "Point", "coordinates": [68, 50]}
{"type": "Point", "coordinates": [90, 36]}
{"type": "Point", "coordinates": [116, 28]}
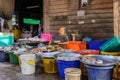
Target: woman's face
{"type": "Point", "coordinates": [62, 31]}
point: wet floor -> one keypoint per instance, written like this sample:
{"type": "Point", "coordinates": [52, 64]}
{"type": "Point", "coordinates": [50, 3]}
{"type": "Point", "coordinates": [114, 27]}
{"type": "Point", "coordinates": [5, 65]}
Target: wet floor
{"type": "Point", "coordinates": [13, 72]}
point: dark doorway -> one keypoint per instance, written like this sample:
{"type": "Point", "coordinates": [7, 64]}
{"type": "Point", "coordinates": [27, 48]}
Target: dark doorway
{"type": "Point", "coordinates": [31, 9]}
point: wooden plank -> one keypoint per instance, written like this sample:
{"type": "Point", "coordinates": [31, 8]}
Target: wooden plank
{"type": "Point", "coordinates": [106, 30]}
{"type": "Point", "coordinates": [102, 21]}
{"type": "Point", "coordinates": [72, 13]}
{"type": "Point", "coordinates": [63, 13]}
{"type": "Point", "coordinates": [107, 20]}
{"type": "Point", "coordinates": [56, 27]}
{"type": "Point", "coordinates": [86, 26]}
{"type": "Point", "coordinates": [60, 18]}
{"type": "Point", "coordinates": [59, 7]}
{"type": "Point", "coordinates": [100, 11]}
{"type": "Point", "coordinates": [58, 2]}
{"type": "Point", "coordinates": [53, 31]}
{"type": "Point", "coordinates": [96, 29]}
{"type": "Point", "coordinates": [59, 14]}
{"type": "Point", "coordinates": [73, 4]}
{"type": "Point", "coordinates": [93, 30]}
{"type": "Point", "coordinates": [101, 35]}
{"type": "Point", "coordinates": [92, 16]}
{"type": "Point", "coordinates": [101, 1]}
{"type": "Point", "coordinates": [58, 10]}
{"type": "Point", "coordinates": [105, 37]}
{"type": "Point", "coordinates": [58, 22]}
{"type": "Point", "coordinates": [54, 0]}
{"type": "Point", "coordinates": [105, 25]}
{"type": "Point", "coordinates": [102, 6]}
{"type": "Point", "coordinates": [63, 22]}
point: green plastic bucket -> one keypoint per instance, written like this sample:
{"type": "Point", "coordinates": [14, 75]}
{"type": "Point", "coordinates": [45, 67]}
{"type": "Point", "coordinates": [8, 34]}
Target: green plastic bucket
{"type": "Point", "coordinates": [13, 58]}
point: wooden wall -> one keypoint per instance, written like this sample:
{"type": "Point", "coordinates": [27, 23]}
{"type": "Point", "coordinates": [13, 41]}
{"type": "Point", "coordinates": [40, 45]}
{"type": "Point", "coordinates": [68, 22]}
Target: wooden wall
{"type": "Point", "coordinates": [116, 7]}
{"type": "Point", "coordinates": [96, 23]}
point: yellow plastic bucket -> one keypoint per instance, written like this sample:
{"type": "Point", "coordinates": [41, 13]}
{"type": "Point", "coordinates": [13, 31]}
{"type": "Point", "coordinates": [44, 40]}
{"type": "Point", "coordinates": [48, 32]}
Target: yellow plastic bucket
{"type": "Point", "coordinates": [72, 74]}
{"type": "Point", "coordinates": [111, 53]}
{"type": "Point", "coordinates": [50, 65]}
{"type": "Point", "coordinates": [115, 72]}
{"type": "Point", "coordinates": [19, 60]}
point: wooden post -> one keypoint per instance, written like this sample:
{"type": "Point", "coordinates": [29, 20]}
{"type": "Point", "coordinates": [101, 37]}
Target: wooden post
{"type": "Point", "coordinates": [46, 19]}
{"type": "Point", "coordinates": [116, 17]}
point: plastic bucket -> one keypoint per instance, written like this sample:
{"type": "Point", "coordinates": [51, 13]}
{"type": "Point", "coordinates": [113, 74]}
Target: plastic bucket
{"type": "Point", "coordinates": [115, 72]}
{"type": "Point", "coordinates": [47, 37]}
{"type": "Point", "coordinates": [111, 45]}
{"type": "Point", "coordinates": [99, 73]}
{"type": "Point", "coordinates": [76, 45]}
{"type": "Point", "coordinates": [62, 65]}
{"type": "Point", "coordinates": [28, 63]}
{"type": "Point", "coordinates": [4, 57]}
{"type": "Point", "coordinates": [19, 61]}
{"type": "Point", "coordinates": [72, 74]}
{"type": "Point", "coordinates": [50, 65]}
{"type": "Point", "coordinates": [13, 58]}
{"type": "Point", "coordinates": [95, 44]}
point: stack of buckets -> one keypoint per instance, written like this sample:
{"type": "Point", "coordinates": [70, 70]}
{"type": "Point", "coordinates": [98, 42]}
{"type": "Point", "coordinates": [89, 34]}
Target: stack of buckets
{"type": "Point", "coordinates": [27, 63]}
{"type": "Point", "coordinates": [64, 67]}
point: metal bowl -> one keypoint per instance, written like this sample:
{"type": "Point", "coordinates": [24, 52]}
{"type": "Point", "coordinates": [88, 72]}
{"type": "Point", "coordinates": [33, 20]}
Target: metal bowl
{"type": "Point", "coordinates": [107, 60]}
{"type": "Point", "coordinates": [67, 56]}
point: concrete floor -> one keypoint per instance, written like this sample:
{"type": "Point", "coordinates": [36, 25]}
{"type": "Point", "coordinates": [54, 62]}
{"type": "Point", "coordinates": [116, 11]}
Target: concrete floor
{"type": "Point", "coordinates": [12, 72]}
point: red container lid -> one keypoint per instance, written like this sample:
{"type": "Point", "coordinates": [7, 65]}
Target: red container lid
{"type": "Point", "coordinates": [88, 52]}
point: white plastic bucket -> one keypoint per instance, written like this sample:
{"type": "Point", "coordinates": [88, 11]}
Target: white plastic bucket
{"type": "Point", "coordinates": [72, 74]}
{"type": "Point", "coordinates": [28, 63]}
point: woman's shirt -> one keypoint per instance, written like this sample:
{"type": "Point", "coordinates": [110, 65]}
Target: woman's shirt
{"type": "Point", "coordinates": [61, 38]}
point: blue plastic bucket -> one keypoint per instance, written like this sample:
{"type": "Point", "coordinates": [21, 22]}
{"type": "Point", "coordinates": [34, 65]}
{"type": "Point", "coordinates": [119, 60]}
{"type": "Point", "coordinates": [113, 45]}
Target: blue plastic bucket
{"type": "Point", "coordinates": [96, 44]}
{"type": "Point", "coordinates": [62, 65]}
{"type": "Point", "coordinates": [4, 57]}
{"type": "Point", "coordinates": [99, 73]}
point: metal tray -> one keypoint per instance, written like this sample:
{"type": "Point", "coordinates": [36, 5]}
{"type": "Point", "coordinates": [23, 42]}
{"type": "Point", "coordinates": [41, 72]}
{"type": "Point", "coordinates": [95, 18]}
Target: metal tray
{"type": "Point", "coordinates": [107, 60]}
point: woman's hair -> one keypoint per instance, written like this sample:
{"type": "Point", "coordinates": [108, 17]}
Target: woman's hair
{"type": "Point", "coordinates": [63, 28]}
